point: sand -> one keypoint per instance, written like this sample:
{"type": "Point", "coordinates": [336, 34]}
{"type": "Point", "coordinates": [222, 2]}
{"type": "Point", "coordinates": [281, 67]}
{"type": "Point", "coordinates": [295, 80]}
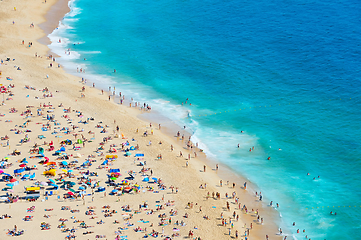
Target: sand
{"type": "Point", "coordinates": [30, 66]}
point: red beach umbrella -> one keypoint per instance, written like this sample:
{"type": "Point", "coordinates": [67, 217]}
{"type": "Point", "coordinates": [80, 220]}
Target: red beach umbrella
{"type": "Point", "coordinates": [22, 165]}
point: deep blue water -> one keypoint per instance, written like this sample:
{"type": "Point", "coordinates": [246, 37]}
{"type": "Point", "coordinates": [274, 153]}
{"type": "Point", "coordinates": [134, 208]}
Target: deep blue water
{"type": "Point", "coordinates": [293, 67]}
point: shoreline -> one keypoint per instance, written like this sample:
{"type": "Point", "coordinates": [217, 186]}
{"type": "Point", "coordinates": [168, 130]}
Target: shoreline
{"type": "Point", "coordinates": [225, 171]}
{"type": "Point", "coordinates": [142, 124]}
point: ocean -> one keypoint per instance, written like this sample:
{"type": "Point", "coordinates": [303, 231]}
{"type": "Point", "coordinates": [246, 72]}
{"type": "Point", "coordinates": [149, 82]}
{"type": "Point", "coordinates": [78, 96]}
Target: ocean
{"type": "Point", "coordinates": [280, 76]}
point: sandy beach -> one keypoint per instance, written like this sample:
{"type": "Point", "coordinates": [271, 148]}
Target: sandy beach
{"type": "Point", "coordinates": [99, 170]}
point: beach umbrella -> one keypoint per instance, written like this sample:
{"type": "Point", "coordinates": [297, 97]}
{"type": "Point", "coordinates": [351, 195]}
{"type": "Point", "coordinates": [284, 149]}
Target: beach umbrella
{"type": "Point", "coordinates": [13, 180]}
{"type": "Point", "coordinates": [20, 170]}
{"type": "Point", "coordinates": [113, 178]}
{"type": "Point", "coordinates": [124, 182]}
{"type": "Point", "coordinates": [24, 161]}
{"type": "Point", "coordinates": [22, 165]}
{"type": "Point", "coordinates": [62, 149]}
{"type": "Point", "coordinates": [70, 193]}
{"type": "Point", "coordinates": [64, 163]}
{"type": "Point", "coordinates": [82, 188]}
{"type": "Point", "coordinates": [15, 183]}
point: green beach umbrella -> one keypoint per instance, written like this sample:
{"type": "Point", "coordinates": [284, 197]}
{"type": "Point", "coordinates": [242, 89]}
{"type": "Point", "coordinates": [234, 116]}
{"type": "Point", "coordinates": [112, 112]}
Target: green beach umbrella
{"type": "Point", "coordinates": [113, 178]}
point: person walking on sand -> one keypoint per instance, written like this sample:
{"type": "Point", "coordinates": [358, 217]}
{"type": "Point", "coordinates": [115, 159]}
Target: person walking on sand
{"type": "Point", "coordinates": [204, 168]}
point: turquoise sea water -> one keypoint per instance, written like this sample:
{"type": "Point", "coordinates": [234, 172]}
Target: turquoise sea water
{"type": "Point", "coordinates": [293, 67]}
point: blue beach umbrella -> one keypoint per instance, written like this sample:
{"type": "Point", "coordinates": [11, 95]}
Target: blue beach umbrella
{"type": "Point", "coordinates": [64, 163]}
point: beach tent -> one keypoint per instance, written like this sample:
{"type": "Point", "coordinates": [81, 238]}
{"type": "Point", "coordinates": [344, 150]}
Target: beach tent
{"type": "Point", "coordinates": [43, 184]}
{"type": "Point", "coordinates": [132, 148]}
